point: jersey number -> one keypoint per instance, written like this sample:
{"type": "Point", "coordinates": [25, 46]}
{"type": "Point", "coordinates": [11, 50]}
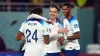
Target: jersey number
{"type": "Point", "coordinates": [34, 35]}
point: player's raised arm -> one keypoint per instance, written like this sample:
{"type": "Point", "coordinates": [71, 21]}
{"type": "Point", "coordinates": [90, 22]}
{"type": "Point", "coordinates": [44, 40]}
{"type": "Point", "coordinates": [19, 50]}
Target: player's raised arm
{"type": "Point", "coordinates": [36, 16]}
{"type": "Point", "coordinates": [39, 17]}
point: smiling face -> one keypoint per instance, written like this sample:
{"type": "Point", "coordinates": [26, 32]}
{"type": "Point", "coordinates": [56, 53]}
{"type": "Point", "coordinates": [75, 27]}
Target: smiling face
{"type": "Point", "coordinates": [66, 10]}
{"type": "Point", "coordinates": [53, 13]}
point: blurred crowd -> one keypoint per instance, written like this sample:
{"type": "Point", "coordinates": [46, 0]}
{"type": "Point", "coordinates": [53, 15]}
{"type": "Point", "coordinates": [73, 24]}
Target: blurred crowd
{"type": "Point", "coordinates": [78, 3]}
{"type": "Point", "coordinates": [27, 5]}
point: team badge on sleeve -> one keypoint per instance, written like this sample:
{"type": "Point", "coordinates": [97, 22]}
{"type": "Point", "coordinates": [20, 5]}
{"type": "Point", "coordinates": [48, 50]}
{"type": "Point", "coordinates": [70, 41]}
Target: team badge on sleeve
{"type": "Point", "coordinates": [75, 25]}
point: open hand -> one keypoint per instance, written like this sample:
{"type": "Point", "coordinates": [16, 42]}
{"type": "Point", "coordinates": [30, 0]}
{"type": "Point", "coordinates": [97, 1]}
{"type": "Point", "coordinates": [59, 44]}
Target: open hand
{"type": "Point", "coordinates": [61, 41]}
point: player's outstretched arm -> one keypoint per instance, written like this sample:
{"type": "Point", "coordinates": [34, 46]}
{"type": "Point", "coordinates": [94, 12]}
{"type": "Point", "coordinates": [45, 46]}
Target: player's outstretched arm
{"type": "Point", "coordinates": [19, 36]}
{"type": "Point", "coordinates": [39, 17]}
{"type": "Point", "coordinates": [49, 21]}
{"type": "Point", "coordinates": [63, 30]}
{"type": "Point", "coordinates": [36, 16]}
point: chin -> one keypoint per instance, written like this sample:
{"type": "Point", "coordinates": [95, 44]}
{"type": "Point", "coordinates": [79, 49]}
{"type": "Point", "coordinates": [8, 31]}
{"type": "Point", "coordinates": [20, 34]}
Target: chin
{"type": "Point", "coordinates": [64, 14]}
{"type": "Point", "coordinates": [52, 17]}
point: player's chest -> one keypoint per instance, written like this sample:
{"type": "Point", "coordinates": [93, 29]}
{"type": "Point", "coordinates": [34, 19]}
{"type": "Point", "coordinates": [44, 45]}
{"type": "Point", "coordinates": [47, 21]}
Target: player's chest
{"type": "Point", "coordinates": [54, 27]}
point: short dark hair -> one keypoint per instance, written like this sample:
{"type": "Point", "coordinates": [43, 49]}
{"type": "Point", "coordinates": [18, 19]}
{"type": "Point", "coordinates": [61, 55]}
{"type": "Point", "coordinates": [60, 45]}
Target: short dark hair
{"type": "Point", "coordinates": [55, 6]}
{"type": "Point", "coordinates": [69, 4]}
{"type": "Point", "coordinates": [36, 11]}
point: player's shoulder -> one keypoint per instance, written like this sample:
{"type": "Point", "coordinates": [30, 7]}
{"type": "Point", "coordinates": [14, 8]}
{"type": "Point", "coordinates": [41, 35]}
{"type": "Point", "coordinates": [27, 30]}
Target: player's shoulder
{"type": "Point", "coordinates": [58, 21]}
{"type": "Point", "coordinates": [72, 19]}
{"type": "Point", "coordinates": [35, 20]}
{"type": "Point", "coordinates": [44, 23]}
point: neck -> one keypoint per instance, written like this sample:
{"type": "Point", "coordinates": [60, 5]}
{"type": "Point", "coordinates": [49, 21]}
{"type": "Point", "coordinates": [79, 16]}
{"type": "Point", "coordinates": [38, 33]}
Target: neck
{"type": "Point", "coordinates": [53, 20]}
{"type": "Point", "coordinates": [68, 16]}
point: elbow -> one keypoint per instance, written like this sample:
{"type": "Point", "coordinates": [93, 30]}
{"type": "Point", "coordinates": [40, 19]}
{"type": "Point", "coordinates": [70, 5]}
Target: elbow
{"type": "Point", "coordinates": [47, 42]}
{"type": "Point", "coordinates": [17, 39]}
{"type": "Point", "coordinates": [18, 36]}
{"type": "Point", "coordinates": [78, 37]}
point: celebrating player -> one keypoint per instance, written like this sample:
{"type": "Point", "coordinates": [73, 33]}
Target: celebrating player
{"type": "Point", "coordinates": [72, 46]}
{"type": "Point", "coordinates": [53, 48]}
{"type": "Point", "coordinates": [36, 34]}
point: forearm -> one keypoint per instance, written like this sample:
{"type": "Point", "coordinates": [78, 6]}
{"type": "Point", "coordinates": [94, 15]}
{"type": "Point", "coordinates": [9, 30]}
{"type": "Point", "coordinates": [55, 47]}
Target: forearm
{"type": "Point", "coordinates": [74, 36]}
{"type": "Point", "coordinates": [36, 16]}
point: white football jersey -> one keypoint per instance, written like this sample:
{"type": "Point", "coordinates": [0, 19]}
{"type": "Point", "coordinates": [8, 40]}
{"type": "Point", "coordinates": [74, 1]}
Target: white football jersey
{"type": "Point", "coordinates": [33, 30]}
{"type": "Point", "coordinates": [53, 46]}
{"type": "Point", "coordinates": [73, 27]}
{"type": "Point", "coordinates": [31, 17]}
